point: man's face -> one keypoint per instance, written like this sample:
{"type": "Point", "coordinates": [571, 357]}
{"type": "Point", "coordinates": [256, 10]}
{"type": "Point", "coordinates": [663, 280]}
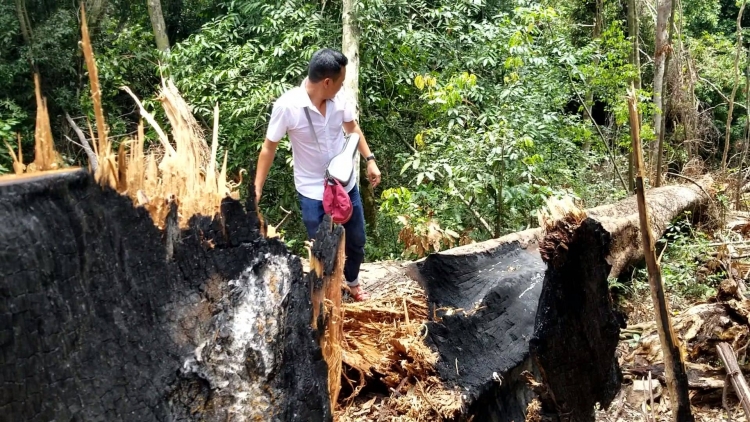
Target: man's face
{"type": "Point", "coordinates": [333, 86]}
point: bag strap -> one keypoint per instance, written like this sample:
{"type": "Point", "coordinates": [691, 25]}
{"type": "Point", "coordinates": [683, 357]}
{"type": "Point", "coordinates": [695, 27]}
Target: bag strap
{"type": "Point", "coordinates": [312, 129]}
{"type": "Point", "coordinates": [312, 132]}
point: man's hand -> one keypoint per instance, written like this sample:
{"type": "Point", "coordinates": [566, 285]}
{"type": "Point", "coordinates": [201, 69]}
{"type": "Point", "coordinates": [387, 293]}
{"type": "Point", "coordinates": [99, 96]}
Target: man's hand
{"type": "Point", "coordinates": [257, 196]}
{"type": "Point", "coordinates": [373, 173]}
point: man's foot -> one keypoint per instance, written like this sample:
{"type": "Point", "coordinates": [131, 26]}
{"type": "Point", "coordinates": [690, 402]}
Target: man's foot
{"type": "Point", "coordinates": [359, 294]}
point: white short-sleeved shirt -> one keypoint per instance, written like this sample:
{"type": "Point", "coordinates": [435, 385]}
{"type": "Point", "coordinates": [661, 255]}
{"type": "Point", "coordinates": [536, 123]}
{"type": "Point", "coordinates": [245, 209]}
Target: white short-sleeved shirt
{"type": "Point", "coordinates": [310, 158]}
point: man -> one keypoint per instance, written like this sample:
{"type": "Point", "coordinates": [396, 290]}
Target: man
{"type": "Point", "coordinates": [329, 114]}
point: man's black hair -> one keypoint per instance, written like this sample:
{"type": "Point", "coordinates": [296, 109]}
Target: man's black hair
{"type": "Point", "coordinates": [326, 63]}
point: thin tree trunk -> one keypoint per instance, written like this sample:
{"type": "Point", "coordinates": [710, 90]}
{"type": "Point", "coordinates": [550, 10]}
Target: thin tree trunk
{"type": "Point", "coordinates": [95, 9]}
{"type": "Point", "coordinates": [499, 195]}
{"type": "Point", "coordinates": [677, 381]}
{"type": "Point", "coordinates": [595, 35]}
{"type": "Point", "coordinates": [635, 61]}
{"type": "Point", "coordinates": [158, 25]}
{"type": "Point", "coordinates": [23, 21]}
{"type": "Point", "coordinates": [740, 172]}
{"type": "Point", "coordinates": [662, 132]}
{"type": "Point", "coordinates": [689, 119]}
{"type": "Point", "coordinates": [663, 14]}
{"type": "Point", "coordinates": [350, 48]}
{"type": "Point", "coordinates": [93, 160]}
{"type": "Point", "coordinates": [728, 130]}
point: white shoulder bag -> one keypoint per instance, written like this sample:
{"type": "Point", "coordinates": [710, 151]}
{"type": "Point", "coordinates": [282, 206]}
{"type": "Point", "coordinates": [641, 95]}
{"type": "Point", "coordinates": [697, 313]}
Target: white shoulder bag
{"type": "Point", "coordinates": [341, 167]}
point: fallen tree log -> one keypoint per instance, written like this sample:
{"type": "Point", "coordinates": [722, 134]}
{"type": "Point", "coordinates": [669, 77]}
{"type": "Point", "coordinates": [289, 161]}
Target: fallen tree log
{"type": "Point", "coordinates": [576, 329]}
{"type": "Point", "coordinates": [498, 286]}
{"type": "Point", "coordinates": [664, 203]}
{"type": "Point", "coordinates": [104, 317]}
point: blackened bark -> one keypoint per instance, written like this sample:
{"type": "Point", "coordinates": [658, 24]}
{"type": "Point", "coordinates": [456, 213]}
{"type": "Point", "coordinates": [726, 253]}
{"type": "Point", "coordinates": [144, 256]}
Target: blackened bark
{"type": "Point", "coordinates": [507, 295]}
{"type": "Point", "coordinates": [484, 348]}
{"type": "Point", "coordinates": [576, 330]}
{"type": "Point", "coordinates": [499, 302]}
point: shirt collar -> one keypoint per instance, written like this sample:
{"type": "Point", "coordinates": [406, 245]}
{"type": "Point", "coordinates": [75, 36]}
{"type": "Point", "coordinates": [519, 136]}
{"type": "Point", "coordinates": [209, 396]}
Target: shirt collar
{"type": "Point", "coordinates": [302, 99]}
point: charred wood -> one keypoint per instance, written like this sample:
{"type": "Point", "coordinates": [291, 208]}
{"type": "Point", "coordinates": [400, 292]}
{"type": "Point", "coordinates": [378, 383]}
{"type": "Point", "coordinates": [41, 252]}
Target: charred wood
{"type": "Point", "coordinates": [97, 324]}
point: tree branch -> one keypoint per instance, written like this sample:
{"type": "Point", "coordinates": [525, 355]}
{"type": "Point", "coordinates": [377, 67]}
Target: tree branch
{"type": "Point", "coordinates": [93, 161]}
{"type": "Point", "coordinates": [718, 91]}
{"type": "Point", "coordinates": [476, 214]}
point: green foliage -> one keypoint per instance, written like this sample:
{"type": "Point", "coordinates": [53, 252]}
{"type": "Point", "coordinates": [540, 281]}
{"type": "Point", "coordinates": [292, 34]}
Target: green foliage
{"type": "Point", "coordinates": [244, 60]}
{"type": "Point", "coordinates": [701, 16]}
{"type": "Point", "coordinates": [714, 58]}
{"type": "Point", "coordinates": [684, 263]}
{"type": "Point", "coordinates": [10, 117]}
{"type": "Point", "coordinates": [473, 107]}
{"type": "Point", "coordinates": [492, 131]}
{"type": "Point", "coordinates": [604, 69]}
{"type": "Point", "coordinates": [465, 98]}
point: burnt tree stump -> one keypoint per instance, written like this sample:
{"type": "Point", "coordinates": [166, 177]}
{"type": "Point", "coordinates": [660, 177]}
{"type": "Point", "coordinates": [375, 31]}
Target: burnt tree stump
{"type": "Point", "coordinates": [484, 347]}
{"type": "Point", "coordinates": [576, 330]}
{"type": "Point", "coordinates": [102, 318]}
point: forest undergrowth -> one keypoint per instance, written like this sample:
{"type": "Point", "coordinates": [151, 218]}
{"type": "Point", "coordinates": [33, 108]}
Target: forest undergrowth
{"type": "Point", "coordinates": [705, 262]}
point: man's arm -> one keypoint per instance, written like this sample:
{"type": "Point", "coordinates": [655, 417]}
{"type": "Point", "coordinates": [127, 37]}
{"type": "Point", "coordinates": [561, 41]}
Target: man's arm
{"type": "Point", "coordinates": [276, 130]}
{"type": "Point", "coordinates": [373, 173]}
{"type": "Point", "coordinates": [265, 159]}
{"type": "Point", "coordinates": [353, 127]}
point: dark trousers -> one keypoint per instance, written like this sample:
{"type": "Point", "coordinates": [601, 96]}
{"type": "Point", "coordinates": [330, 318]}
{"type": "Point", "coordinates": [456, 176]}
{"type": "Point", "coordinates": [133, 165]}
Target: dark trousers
{"type": "Point", "coordinates": [312, 216]}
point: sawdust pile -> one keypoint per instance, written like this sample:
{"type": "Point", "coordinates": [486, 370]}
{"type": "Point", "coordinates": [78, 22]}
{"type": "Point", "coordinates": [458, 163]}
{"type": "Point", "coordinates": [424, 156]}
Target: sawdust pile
{"type": "Point", "coordinates": [384, 348]}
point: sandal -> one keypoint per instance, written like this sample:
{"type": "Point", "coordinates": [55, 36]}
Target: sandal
{"type": "Point", "coordinates": [361, 296]}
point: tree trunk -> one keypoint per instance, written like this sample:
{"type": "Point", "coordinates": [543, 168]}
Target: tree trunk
{"type": "Point", "coordinates": [746, 138]}
{"type": "Point", "coordinates": [728, 130]}
{"type": "Point", "coordinates": [23, 20]}
{"type": "Point", "coordinates": [350, 48]}
{"type": "Point", "coordinates": [104, 317]}
{"type": "Point", "coordinates": [576, 330]}
{"type": "Point", "coordinates": [635, 61]}
{"type": "Point", "coordinates": [26, 31]}
{"type": "Point", "coordinates": [158, 25]}
{"type": "Point", "coordinates": [504, 292]}
{"type": "Point", "coordinates": [665, 104]}
{"type": "Point", "coordinates": [213, 313]}
{"type": "Point", "coordinates": [95, 9]}
{"type": "Point", "coordinates": [662, 47]}
{"type": "Point", "coordinates": [596, 33]}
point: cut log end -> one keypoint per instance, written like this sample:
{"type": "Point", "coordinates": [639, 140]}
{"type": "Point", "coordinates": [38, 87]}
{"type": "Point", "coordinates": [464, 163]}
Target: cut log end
{"type": "Point", "coordinates": [576, 330]}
